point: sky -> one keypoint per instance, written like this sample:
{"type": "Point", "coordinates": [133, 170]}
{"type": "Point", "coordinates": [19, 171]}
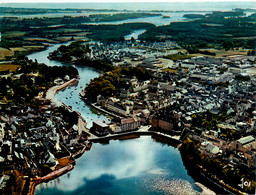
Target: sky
{"type": "Point", "coordinates": [95, 1]}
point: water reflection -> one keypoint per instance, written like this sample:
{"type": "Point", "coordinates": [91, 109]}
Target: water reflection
{"type": "Point", "coordinates": [70, 96]}
{"type": "Point", "coordinates": [156, 20]}
{"type": "Point", "coordinates": [119, 167]}
{"type": "Point", "coordinates": [112, 167]}
{"type": "Point", "coordinates": [135, 34]}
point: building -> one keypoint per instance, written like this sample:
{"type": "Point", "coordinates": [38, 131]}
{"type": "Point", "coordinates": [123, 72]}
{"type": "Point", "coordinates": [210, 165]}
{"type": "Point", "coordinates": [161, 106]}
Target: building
{"type": "Point", "coordinates": [244, 144]}
{"type": "Point", "coordinates": [3, 181]}
{"type": "Point", "coordinates": [100, 126]}
{"type": "Point", "coordinates": [129, 124]}
{"type": "Point", "coordinates": [125, 93]}
{"type": "Point", "coordinates": [117, 108]}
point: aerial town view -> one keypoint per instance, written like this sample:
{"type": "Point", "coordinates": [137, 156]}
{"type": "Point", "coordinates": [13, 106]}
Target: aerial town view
{"type": "Point", "coordinates": [128, 97]}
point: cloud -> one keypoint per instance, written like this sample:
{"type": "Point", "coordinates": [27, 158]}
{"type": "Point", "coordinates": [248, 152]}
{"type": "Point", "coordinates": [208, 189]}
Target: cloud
{"type": "Point", "coordinates": [125, 160]}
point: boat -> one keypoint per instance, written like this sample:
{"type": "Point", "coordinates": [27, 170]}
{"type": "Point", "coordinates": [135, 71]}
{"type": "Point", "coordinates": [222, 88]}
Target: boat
{"type": "Point", "coordinates": [165, 16]}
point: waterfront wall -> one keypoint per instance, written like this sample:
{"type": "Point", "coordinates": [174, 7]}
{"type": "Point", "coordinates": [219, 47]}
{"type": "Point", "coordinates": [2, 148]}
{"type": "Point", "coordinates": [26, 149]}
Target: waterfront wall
{"type": "Point", "coordinates": [173, 139]}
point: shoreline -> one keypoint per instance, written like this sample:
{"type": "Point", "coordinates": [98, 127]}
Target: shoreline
{"type": "Point", "coordinates": [204, 189]}
{"type": "Point", "coordinates": [50, 94]}
{"type": "Point", "coordinates": [53, 175]}
{"type": "Point", "coordinates": [213, 180]}
{"type": "Point", "coordinates": [221, 184]}
{"type": "Point", "coordinates": [97, 107]}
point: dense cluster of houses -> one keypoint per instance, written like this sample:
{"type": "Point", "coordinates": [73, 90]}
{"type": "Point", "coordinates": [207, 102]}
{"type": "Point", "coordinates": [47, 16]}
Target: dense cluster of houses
{"type": "Point", "coordinates": [119, 53]}
{"type": "Point", "coordinates": [32, 139]}
{"type": "Point", "coordinates": [170, 100]}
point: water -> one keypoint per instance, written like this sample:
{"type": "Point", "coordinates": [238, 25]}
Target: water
{"type": "Point", "coordinates": [58, 14]}
{"type": "Point", "coordinates": [134, 34]}
{"type": "Point", "coordinates": [70, 96]}
{"type": "Point", "coordinates": [122, 167]}
{"type": "Point", "coordinates": [138, 166]}
{"type": "Point", "coordinates": [135, 6]}
{"type": "Point", "coordinates": [156, 20]}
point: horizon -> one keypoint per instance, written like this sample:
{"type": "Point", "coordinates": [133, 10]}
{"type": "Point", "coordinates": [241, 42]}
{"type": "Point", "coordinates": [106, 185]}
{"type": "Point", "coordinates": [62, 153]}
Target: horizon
{"type": "Point", "coordinates": [186, 5]}
{"type": "Point", "coordinates": [126, 1]}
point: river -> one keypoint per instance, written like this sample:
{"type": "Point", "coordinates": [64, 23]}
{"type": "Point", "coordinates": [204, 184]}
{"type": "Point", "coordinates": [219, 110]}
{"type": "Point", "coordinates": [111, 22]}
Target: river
{"type": "Point", "coordinates": [137, 166]}
{"type": "Point", "coordinates": [70, 95]}
{"type": "Point", "coordinates": [121, 167]}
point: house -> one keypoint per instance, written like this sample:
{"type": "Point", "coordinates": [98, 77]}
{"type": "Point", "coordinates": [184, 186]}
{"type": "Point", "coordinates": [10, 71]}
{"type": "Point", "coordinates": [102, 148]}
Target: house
{"type": "Point", "coordinates": [50, 160]}
{"type": "Point", "coordinates": [165, 125]}
{"type": "Point", "coordinates": [187, 64]}
{"type": "Point", "coordinates": [140, 86]}
{"type": "Point", "coordinates": [149, 63]}
{"type": "Point", "coordinates": [212, 149]}
{"type": "Point", "coordinates": [100, 127]}
{"type": "Point", "coordinates": [129, 124]}
{"type": "Point", "coordinates": [244, 144]}
{"type": "Point", "coordinates": [114, 106]}
{"type": "Point", "coordinates": [167, 87]}
{"type": "Point", "coordinates": [124, 93]}
{"type": "Point", "coordinates": [208, 148]}
{"type": "Point", "coordinates": [144, 116]}
{"type": "Point", "coordinates": [250, 156]}
{"type": "Point", "coordinates": [2, 125]}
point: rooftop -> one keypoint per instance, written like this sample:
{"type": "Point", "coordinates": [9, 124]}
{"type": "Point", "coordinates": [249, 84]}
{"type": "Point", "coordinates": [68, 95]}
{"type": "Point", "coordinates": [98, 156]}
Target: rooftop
{"type": "Point", "coordinates": [246, 140]}
{"type": "Point", "coordinates": [100, 123]}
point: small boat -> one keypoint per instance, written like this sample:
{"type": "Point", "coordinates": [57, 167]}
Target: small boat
{"type": "Point", "coordinates": [165, 16]}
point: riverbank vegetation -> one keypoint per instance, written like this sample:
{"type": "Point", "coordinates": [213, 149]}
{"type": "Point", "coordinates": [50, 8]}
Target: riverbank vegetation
{"type": "Point", "coordinates": [78, 53]}
{"type": "Point", "coordinates": [176, 57]}
{"type": "Point", "coordinates": [32, 34]}
{"type": "Point", "coordinates": [31, 78]}
{"type": "Point", "coordinates": [112, 33]}
{"type": "Point", "coordinates": [227, 30]}
{"type": "Point", "coordinates": [217, 168]}
{"type": "Point", "coordinates": [107, 84]}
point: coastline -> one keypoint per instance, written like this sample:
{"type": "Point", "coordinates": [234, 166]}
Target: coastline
{"type": "Point", "coordinates": [203, 177]}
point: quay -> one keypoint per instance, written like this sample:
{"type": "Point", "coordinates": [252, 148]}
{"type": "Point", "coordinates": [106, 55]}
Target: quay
{"type": "Point", "coordinates": [82, 96]}
{"type": "Point", "coordinates": [36, 180]}
{"type": "Point", "coordinates": [144, 130]}
{"type": "Point", "coordinates": [53, 90]}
